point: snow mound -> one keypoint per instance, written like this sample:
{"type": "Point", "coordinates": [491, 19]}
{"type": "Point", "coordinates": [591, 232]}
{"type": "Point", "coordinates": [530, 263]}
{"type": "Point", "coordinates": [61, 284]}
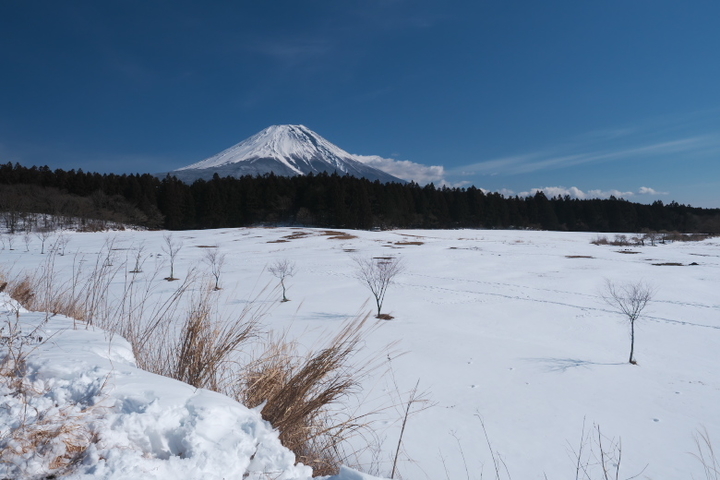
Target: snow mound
{"type": "Point", "coordinates": [103, 418]}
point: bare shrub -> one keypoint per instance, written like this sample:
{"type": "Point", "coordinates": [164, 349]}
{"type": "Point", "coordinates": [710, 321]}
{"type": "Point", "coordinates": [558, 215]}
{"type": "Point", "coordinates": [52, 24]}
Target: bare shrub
{"type": "Point", "coordinates": [300, 393]}
{"type": "Point", "coordinates": [629, 300]}
{"type": "Point", "coordinates": [598, 456]}
{"type": "Point", "coordinates": [281, 270]}
{"type": "Point", "coordinates": [652, 237]}
{"type": "Point", "coordinates": [377, 274]}
{"type": "Point", "coordinates": [620, 241]}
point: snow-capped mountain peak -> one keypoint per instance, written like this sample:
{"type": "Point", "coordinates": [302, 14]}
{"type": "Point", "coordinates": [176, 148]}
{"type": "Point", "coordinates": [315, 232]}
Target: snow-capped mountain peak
{"type": "Point", "coordinates": [284, 150]}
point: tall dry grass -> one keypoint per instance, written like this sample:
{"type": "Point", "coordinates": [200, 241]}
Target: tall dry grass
{"type": "Point", "coordinates": [301, 394]}
{"type": "Point", "coordinates": [180, 334]}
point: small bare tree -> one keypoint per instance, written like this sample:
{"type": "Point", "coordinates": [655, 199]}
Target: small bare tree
{"type": "Point", "coordinates": [651, 237]}
{"type": "Point", "coordinates": [377, 273]}
{"type": "Point", "coordinates": [60, 244]}
{"type": "Point", "coordinates": [43, 235]}
{"type": "Point", "coordinates": [281, 270]}
{"type": "Point", "coordinates": [171, 248]}
{"type": "Point", "coordinates": [139, 259]}
{"type": "Point", "coordinates": [215, 260]}
{"type": "Point", "coordinates": [629, 300]}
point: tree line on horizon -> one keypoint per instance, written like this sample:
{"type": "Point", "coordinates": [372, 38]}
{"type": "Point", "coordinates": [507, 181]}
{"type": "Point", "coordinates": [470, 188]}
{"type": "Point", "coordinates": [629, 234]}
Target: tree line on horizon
{"type": "Point", "coordinates": [323, 200]}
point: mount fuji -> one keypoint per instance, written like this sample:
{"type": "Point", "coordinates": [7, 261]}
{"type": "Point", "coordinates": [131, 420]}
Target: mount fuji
{"type": "Point", "coordinates": [285, 150]}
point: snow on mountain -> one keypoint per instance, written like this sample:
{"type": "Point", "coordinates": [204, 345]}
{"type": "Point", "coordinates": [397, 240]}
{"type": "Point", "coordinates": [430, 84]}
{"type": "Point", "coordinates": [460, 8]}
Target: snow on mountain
{"type": "Point", "coordinates": [286, 150]}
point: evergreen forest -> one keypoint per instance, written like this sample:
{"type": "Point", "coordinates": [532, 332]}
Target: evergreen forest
{"type": "Point", "coordinates": [324, 200]}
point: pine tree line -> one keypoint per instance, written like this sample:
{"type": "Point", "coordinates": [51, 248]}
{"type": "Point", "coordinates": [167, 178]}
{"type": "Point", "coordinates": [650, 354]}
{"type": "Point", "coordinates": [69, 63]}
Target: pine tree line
{"type": "Point", "coordinates": [327, 200]}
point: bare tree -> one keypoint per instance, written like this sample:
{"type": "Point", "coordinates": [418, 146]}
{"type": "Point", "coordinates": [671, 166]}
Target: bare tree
{"type": "Point", "coordinates": [377, 273]}
{"type": "Point", "coordinates": [60, 244]}
{"type": "Point", "coordinates": [139, 259]}
{"type": "Point", "coordinates": [629, 300]}
{"type": "Point", "coordinates": [10, 241]}
{"type": "Point", "coordinates": [652, 237]}
{"type": "Point", "coordinates": [171, 248]}
{"type": "Point", "coordinates": [26, 240]}
{"type": "Point", "coordinates": [281, 270]}
{"type": "Point", "coordinates": [43, 235]}
{"type": "Point", "coordinates": [215, 260]}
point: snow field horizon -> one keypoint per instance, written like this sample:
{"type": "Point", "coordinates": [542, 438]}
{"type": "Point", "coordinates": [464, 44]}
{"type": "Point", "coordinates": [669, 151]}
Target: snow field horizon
{"type": "Point", "coordinates": [497, 324]}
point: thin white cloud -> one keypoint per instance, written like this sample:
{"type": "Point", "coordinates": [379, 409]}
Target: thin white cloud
{"type": "Point", "coordinates": [548, 159]}
{"type": "Point", "coordinates": [650, 191]}
{"type": "Point", "coordinates": [574, 192]}
{"type": "Point", "coordinates": [407, 170]}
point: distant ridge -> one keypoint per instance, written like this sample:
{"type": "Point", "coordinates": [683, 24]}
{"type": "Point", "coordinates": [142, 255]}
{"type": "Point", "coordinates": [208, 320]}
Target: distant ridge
{"type": "Point", "coordinates": [285, 150]}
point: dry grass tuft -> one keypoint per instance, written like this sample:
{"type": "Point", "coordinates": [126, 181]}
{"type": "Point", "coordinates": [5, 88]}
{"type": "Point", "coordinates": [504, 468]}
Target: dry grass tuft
{"type": "Point", "coordinates": [278, 241]}
{"type": "Point", "coordinates": [205, 345]}
{"type": "Point", "coordinates": [23, 291]}
{"type": "Point", "coordinates": [669, 264]}
{"type": "Point", "coordinates": [300, 391]}
{"type": "Point", "coordinates": [335, 235]}
{"type": "Point", "coordinates": [296, 235]}
{"type": "Point", "coordinates": [409, 243]}
{"type": "Point", "coordinates": [579, 256]}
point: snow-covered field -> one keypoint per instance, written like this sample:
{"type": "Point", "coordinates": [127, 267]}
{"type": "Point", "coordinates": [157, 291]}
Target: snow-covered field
{"type": "Point", "coordinates": [502, 328]}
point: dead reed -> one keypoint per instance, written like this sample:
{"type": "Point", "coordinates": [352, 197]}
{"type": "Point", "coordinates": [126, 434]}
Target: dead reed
{"type": "Point", "coordinates": [299, 393]}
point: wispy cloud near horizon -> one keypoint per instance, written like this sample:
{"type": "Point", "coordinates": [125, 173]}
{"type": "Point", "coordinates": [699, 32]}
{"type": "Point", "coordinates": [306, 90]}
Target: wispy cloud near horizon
{"type": "Point", "coordinates": [563, 157]}
{"type": "Point", "coordinates": [675, 138]}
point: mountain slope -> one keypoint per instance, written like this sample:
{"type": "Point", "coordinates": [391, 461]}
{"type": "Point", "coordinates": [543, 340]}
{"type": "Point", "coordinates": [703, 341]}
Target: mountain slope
{"type": "Point", "coordinates": [286, 150]}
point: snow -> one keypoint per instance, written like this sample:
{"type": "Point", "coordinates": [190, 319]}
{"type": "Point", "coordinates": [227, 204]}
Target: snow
{"type": "Point", "coordinates": [148, 426]}
{"type": "Point", "coordinates": [506, 332]}
{"type": "Point", "coordinates": [296, 147]}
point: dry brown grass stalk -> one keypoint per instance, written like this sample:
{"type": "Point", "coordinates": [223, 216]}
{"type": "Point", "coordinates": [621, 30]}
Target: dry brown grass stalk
{"type": "Point", "coordinates": [206, 344]}
{"type": "Point", "coordinates": [299, 393]}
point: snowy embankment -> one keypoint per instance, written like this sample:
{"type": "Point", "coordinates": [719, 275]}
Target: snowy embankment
{"type": "Point", "coordinates": [78, 405]}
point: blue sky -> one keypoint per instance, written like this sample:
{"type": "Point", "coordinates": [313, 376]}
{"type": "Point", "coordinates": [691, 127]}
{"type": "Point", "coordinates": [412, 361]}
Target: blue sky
{"type": "Point", "coordinates": [579, 97]}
